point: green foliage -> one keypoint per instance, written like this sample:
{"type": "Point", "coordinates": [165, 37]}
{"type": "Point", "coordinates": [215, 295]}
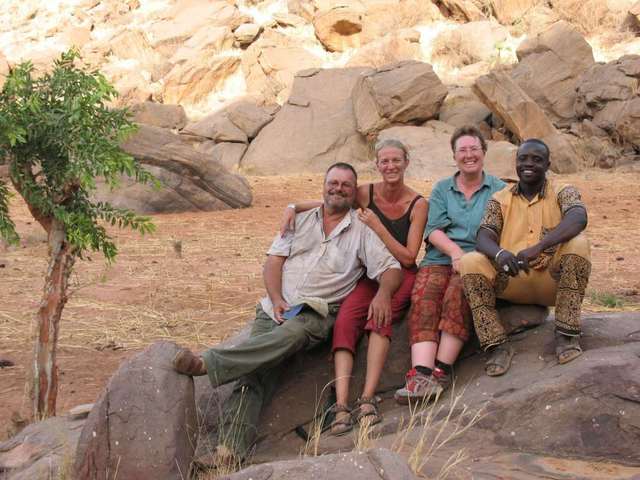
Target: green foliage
{"type": "Point", "coordinates": [606, 299]}
{"type": "Point", "coordinates": [58, 135]}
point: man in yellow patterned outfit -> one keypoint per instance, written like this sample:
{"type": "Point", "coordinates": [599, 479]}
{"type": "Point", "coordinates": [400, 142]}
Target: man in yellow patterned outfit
{"type": "Point", "coordinates": [530, 249]}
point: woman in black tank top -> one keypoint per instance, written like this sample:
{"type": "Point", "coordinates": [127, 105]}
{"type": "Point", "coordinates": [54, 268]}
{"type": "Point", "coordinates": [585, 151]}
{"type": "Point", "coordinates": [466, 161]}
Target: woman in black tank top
{"type": "Point", "coordinates": [398, 215]}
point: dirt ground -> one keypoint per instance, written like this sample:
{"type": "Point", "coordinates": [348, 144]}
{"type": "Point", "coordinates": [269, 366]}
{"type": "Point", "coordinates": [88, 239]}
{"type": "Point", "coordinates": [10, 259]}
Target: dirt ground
{"type": "Point", "coordinates": [197, 279]}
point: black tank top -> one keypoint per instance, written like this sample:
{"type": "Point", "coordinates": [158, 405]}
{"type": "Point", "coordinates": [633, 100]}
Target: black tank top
{"type": "Point", "coordinates": [398, 228]}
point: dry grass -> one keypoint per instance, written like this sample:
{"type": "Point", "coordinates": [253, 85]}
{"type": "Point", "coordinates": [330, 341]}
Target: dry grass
{"type": "Point", "coordinates": [590, 17]}
{"type": "Point", "coordinates": [431, 427]}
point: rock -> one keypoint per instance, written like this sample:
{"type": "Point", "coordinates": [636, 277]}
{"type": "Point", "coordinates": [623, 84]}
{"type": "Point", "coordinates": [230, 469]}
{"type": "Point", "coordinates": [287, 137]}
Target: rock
{"type": "Point", "coordinates": [320, 105]}
{"type": "Point", "coordinates": [159, 115]}
{"type": "Point", "coordinates": [205, 43]}
{"type": "Point", "coordinates": [462, 107]}
{"type": "Point", "coordinates": [4, 69]}
{"type": "Point", "coordinates": [399, 93]}
{"type": "Point", "coordinates": [634, 12]}
{"type": "Point", "coordinates": [80, 411]}
{"type": "Point", "coordinates": [339, 28]}
{"type": "Point", "coordinates": [549, 69]}
{"type": "Point", "coordinates": [628, 123]}
{"type": "Point", "coordinates": [191, 179]}
{"type": "Point", "coordinates": [246, 33]}
{"type": "Point", "coordinates": [465, 10]}
{"type": "Point", "coordinates": [470, 43]}
{"type": "Point", "coordinates": [271, 63]}
{"type": "Point", "coordinates": [509, 12]}
{"type": "Point", "coordinates": [524, 118]}
{"type": "Point", "coordinates": [41, 451]}
{"type": "Point", "coordinates": [134, 45]}
{"type": "Point", "coordinates": [377, 463]}
{"type": "Point", "coordinates": [250, 117]}
{"type": "Point", "coordinates": [601, 84]}
{"type": "Point", "coordinates": [390, 49]}
{"type": "Point", "coordinates": [288, 19]}
{"type": "Point", "coordinates": [217, 127]}
{"type": "Point", "coordinates": [227, 154]}
{"type": "Point", "coordinates": [350, 24]}
{"type": "Point", "coordinates": [193, 81]}
{"type": "Point", "coordinates": [144, 424]}
{"type": "Point", "coordinates": [186, 17]}
{"type": "Point", "coordinates": [431, 157]}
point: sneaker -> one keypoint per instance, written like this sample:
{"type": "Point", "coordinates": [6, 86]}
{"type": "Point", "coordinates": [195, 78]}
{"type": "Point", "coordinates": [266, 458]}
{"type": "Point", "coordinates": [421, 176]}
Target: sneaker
{"type": "Point", "coordinates": [418, 387]}
{"type": "Point", "coordinates": [443, 378]}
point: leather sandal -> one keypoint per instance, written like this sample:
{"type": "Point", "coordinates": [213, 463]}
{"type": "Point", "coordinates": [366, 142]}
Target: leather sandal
{"type": "Point", "coordinates": [499, 360]}
{"type": "Point", "coordinates": [567, 348]}
{"type": "Point", "coordinates": [188, 363]}
{"type": "Point", "coordinates": [367, 410]}
{"type": "Point", "coordinates": [343, 423]}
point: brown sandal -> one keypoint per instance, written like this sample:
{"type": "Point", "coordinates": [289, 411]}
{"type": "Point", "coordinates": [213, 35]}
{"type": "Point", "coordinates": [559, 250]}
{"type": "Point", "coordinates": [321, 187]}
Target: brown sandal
{"type": "Point", "coordinates": [343, 423]}
{"type": "Point", "coordinates": [367, 410]}
{"type": "Point", "coordinates": [567, 348]}
{"type": "Point", "coordinates": [499, 360]}
{"type": "Point", "coordinates": [188, 363]}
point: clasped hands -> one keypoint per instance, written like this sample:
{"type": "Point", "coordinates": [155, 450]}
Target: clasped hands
{"type": "Point", "coordinates": [512, 264]}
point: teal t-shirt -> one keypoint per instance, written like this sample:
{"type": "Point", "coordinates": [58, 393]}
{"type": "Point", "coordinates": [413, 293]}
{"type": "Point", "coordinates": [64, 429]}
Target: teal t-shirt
{"type": "Point", "coordinates": [458, 218]}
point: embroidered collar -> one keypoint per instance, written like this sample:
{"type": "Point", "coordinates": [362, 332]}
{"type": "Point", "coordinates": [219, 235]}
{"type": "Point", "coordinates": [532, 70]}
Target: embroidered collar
{"type": "Point", "coordinates": [516, 190]}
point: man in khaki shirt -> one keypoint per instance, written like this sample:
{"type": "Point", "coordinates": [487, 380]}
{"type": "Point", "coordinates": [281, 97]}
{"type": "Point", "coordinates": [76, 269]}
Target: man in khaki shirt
{"type": "Point", "coordinates": [530, 249]}
{"type": "Point", "coordinates": [307, 274]}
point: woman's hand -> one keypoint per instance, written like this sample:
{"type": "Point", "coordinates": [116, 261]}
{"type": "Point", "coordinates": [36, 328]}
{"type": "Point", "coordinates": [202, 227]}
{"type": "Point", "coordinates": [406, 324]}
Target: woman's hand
{"type": "Point", "coordinates": [370, 219]}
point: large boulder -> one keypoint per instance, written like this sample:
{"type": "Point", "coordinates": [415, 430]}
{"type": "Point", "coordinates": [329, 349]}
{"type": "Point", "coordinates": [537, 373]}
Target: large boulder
{"type": "Point", "coordinates": [315, 128]}
{"type": "Point", "coordinates": [205, 43]}
{"type": "Point", "coordinates": [392, 48]}
{"type": "Point", "coordinates": [525, 119]}
{"type": "Point", "coordinates": [431, 157]}
{"type": "Point", "coordinates": [465, 10]}
{"type": "Point", "coordinates": [404, 92]}
{"type": "Point", "coordinates": [160, 115]}
{"type": "Point", "coordinates": [144, 424]}
{"type": "Point", "coordinates": [509, 12]}
{"type": "Point", "coordinates": [549, 69]}
{"type": "Point", "coordinates": [191, 179]}
{"type": "Point", "coordinates": [463, 107]}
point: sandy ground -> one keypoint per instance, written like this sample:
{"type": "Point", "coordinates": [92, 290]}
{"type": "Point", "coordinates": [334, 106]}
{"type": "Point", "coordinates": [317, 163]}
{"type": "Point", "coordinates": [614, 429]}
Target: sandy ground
{"type": "Point", "coordinates": [197, 279]}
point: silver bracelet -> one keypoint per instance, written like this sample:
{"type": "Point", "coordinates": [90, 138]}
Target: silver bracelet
{"type": "Point", "coordinates": [292, 205]}
{"type": "Point", "coordinates": [497, 254]}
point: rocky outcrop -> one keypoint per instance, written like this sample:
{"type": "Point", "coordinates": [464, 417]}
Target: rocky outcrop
{"type": "Point", "coordinates": [270, 64]}
{"type": "Point", "coordinates": [392, 48]}
{"type": "Point", "coordinates": [41, 450]}
{"type": "Point", "coordinates": [405, 92]}
{"type": "Point", "coordinates": [465, 10]}
{"type": "Point", "coordinates": [509, 12]}
{"type": "Point", "coordinates": [470, 43]}
{"type": "Point", "coordinates": [191, 179]}
{"type": "Point", "coordinates": [160, 115]}
{"type": "Point", "coordinates": [549, 68]}
{"type": "Point", "coordinates": [144, 424]}
{"type": "Point", "coordinates": [462, 107]}
{"type": "Point", "coordinates": [315, 128]}
{"type": "Point", "coordinates": [608, 96]}
{"type": "Point", "coordinates": [525, 119]}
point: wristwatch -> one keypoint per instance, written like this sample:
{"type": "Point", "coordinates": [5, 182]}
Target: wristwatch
{"type": "Point", "coordinates": [292, 205]}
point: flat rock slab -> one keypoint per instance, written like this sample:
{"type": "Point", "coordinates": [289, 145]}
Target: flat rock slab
{"type": "Point", "coordinates": [373, 464]}
{"type": "Point", "coordinates": [143, 425]}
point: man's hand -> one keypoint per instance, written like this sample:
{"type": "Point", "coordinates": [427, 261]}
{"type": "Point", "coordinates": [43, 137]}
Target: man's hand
{"type": "Point", "coordinates": [279, 307]}
{"type": "Point", "coordinates": [370, 219]}
{"type": "Point", "coordinates": [288, 221]}
{"type": "Point", "coordinates": [508, 263]}
{"type": "Point", "coordinates": [380, 309]}
{"type": "Point", "coordinates": [528, 255]}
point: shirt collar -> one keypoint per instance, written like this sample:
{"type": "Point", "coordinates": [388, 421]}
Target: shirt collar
{"type": "Point", "coordinates": [344, 224]}
{"type": "Point", "coordinates": [516, 190]}
{"type": "Point", "coordinates": [486, 182]}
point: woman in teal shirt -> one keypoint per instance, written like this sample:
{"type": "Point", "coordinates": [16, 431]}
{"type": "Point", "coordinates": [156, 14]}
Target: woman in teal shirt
{"type": "Point", "coordinates": [440, 318]}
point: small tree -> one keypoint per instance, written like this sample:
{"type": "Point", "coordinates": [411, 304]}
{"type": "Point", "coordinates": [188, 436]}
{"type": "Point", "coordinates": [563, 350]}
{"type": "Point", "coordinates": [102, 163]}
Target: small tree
{"type": "Point", "coordinates": [57, 135]}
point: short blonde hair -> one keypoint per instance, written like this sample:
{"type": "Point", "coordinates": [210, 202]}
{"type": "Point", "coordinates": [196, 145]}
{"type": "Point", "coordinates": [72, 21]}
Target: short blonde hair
{"type": "Point", "coordinates": [393, 143]}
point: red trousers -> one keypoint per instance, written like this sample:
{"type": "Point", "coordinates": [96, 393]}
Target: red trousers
{"type": "Point", "coordinates": [352, 317]}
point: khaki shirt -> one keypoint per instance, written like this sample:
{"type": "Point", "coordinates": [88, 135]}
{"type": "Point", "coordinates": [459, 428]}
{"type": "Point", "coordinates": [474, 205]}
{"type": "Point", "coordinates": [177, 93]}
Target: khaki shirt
{"type": "Point", "coordinates": [520, 223]}
{"type": "Point", "coordinates": [318, 270]}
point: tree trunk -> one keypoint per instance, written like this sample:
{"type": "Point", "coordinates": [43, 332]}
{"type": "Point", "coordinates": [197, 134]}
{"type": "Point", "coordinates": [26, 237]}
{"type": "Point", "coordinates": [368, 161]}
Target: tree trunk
{"type": "Point", "coordinates": [54, 298]}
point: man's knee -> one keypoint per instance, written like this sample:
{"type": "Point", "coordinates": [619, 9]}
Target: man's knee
{"type": "Point", "coordinates": [578, 245]}
{"type": "Point", "coordinates": [476, 263]}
